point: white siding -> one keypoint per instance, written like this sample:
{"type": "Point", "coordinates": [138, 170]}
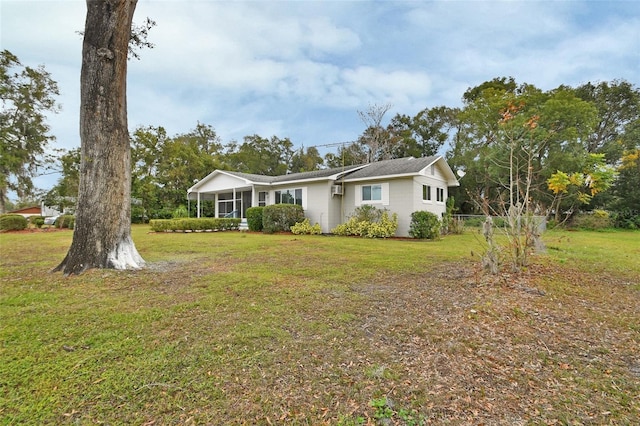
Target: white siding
{"type": "Point", "coordinates": [318, 204]}
{"type": "Point", "coordinates": [404, 197]}
{"type": "Point", "coordinates": [222, 182]}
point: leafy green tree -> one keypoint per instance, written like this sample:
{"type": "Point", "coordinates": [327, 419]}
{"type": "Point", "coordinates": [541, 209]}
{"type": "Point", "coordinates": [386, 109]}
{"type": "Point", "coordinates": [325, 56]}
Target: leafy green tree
{"type": "Point", "coordinates": [27, 95]}
{"type": "Point", "coordinates": [306, 160]}
{"type": "Point", "coordinates": [348, 155]}
{"type": "Point", "coordinates": [618, 105]}
{"type": "Point", "coordinates": [580, 187]}
{"type": "Point", "coordinates": [146, 155]}
{"type": "Point", "coordinates": [183, 160]}
{"type": "Point", "coordinates": [627, 186]}
{"type": "Point", "coordinates": [424, 134]}
{"type": "Point", "coordinates": [508, 136]}
{"type": "Point", "coordinates": [500, 84]}
{"type": "Point", "coordinates": [260, 155]}
{"type": "Point", "coordinates": [65, 193]}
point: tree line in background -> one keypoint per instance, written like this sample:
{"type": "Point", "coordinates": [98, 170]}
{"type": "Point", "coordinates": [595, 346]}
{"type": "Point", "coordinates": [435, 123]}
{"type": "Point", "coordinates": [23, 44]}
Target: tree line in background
{"type": "Point", "coordinates": [559, 151]}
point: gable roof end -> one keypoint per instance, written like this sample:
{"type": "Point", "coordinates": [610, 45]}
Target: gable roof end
{"type": "Point", "coordinates": [408, 166]}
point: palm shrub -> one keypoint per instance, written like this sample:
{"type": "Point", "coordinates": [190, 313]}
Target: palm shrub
{"type": "Point", "coordinates": [254, 218]}
{"type": "Point", "coordinates": [12, 222]}
{"type": "Point", "coordinates": [424, 225]}
{"type": "Point", "coordinates": [180, 212]}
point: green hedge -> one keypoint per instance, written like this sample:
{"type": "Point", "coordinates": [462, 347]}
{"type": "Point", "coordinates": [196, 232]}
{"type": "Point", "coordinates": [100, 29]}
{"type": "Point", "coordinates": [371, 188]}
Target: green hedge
{"type": "Point", "coordinates": [424, 225]}
{"type": "Point", "coordinates": [597, 219]}
{"type": "Point", "coordinates": [281, 217]}
{"type": "Point", "coordinates": [254, 218]}
{"type": "Point", "coordinates": [66, 221]}
{"type": "Point", "coordinates": [626, 219]}
{"type": "Point", "coordinates": [37, 221]}
{"type": "Point", "coordinates": [12, 222]}
{"type": "Point", "coordinates": [195, 224]}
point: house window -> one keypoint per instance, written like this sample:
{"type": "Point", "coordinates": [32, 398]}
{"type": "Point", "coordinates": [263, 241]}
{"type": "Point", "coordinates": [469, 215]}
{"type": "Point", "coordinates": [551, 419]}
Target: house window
{"type": "Point", "coordinates": [372, 193]}
{"type": "Point", "coordinates": [289, 196]}
{"type": "Point", "coordinates": [262, 198]}
{"type": "Point", "coordinates": [426, 193]}
{"type": "Point", "coordinates": [440, 195]}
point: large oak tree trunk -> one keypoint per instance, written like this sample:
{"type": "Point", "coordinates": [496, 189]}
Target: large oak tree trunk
{"type": "Point", "coordinates": [102, 235]}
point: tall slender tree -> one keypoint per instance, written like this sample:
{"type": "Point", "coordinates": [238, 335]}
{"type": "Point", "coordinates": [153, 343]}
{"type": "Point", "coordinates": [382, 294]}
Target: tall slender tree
{"type": "Point", "coordinates": [102, 235]}
{"type": "Point", "coordinates": [26, 95]}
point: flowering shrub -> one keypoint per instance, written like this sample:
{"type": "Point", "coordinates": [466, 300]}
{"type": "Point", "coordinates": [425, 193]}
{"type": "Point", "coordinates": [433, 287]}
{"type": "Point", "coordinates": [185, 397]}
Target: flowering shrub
{"type": "Point", "coordinates": [384, 227]}
{"type": "Point", "coordinates": [305, 228]}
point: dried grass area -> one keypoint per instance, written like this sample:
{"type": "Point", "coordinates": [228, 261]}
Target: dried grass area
{"type": "Point", "coordinates": [449, 347]}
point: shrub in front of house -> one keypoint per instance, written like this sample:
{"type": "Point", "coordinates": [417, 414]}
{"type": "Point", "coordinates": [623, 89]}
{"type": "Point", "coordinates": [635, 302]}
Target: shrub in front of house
{"type": "Point", "coordinates": [12, 222]}
{"type": "Point", "coordinates": [36, 221]}
{"type": "Point", "coordinates": [194, 224]}
{"type": "Point", "coordinates": [424, 225]}
{"type": "Point", "coordinates": [66, 221]}
{"type": "Point", "coordinates": [305, 228]}
{"type": "Point", "coordinates": [281, 217]}
{"type": "Point", "coordinates": [370, 222]}
{"type": "Point", "coordinates": [254, 218]}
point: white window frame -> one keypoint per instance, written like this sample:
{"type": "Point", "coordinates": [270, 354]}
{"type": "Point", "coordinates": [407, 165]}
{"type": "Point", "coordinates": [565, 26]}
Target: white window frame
{"type": "Point", "coordinates": [374, 189]}
{"type": "Point", "coordinates": [265, 201]}
{"type": "Point", "coordinates": [303, 195]}
{"type": "Point", "coordinates": [426, 190]}
{"type": "Point", "coordinates": [384, 194]}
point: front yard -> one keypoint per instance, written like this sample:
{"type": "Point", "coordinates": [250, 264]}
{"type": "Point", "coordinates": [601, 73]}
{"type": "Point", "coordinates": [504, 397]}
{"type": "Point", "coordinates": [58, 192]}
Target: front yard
{"type": "Point", "coordinates": [241, 328]}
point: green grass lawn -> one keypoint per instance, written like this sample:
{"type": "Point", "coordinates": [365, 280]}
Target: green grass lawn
{"type": "Point", "coordinates": [244, 328]}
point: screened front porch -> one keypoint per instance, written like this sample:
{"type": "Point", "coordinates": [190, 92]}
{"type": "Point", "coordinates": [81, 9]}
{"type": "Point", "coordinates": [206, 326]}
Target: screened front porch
{"type": "Point", "coordinates": [228, 203]}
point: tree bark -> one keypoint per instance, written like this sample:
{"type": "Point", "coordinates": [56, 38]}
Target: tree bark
{"type": "Point", "coordinates": [102, 234]}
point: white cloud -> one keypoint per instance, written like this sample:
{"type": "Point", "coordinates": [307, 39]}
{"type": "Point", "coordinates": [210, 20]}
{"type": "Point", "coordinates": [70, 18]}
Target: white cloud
{"type": "Point", "coordinates": [303, 69]}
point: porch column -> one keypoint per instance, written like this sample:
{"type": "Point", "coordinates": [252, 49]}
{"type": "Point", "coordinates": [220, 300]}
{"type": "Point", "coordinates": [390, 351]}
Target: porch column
{"type": "Point", "coordinates": [234, 201]}
{"type": "Point", "coordinates": [198, 203]}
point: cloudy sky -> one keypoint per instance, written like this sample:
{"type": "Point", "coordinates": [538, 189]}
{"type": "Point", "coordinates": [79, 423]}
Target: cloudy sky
{"type": "Point", "coordinates": [303, 69]}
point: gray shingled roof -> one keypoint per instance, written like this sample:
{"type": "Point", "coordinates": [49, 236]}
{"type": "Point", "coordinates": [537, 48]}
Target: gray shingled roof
{"type": "Point", "coordinates": [398, 166]}
{"type": "Point", "coordinates": [252, 177]}
{"type": "Point", "coordinates": [315, 174]}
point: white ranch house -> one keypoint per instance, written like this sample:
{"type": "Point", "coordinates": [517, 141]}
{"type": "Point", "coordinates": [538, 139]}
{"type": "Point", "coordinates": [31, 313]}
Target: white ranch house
{"type": "Point", "coordinates": [330, 196]}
